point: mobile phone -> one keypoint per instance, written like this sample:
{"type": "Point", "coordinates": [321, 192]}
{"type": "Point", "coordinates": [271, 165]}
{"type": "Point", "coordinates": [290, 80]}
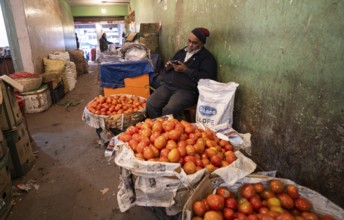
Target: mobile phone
{"type": "Point", "coordinates": [175, 62]}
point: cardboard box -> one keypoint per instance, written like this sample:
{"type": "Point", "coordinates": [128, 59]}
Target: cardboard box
{"type": "Point", "coordinates": [321, 205]}
{"type": "Point", "coordinates": [5, 175]}
{"type": "Point", "coordinates": [151, 40]}
{"type": "Point", "coordinates": [19, 87]}
{"type": "Point", "coordinates": [21, 157]}
{"type": "Point", "coordinates": [56, 93]}
{"type": "Point", "coordinates": [149, 36]}
{"type": "Point", "coordinates": [3, 149]}
{"type": "Point", "coordinates": [37, 100]}
{"type": "Point", "coordinates": [204, 188]}
{"type": "Point", "coordinates": [10, 112]}
{"type": "Point", "coordinates": [131, 37]}
{"type": "Point", "coordinates": [5, 202]}
{"type": "Point", "coordinates": [5, 187]}
{"type": "Point", "coordinates": [3, 146]}
{"type": "Point", "coordinates": [138, 86]}
{"type": "Point", "coordinates": [149, 27]}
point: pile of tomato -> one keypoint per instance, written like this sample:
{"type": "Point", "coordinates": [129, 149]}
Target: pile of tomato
{"type": "Point", "coordinates": [116, 104]}
{"type": "Point", "coordinates": [171, 140]}
{"type": "Point", "coordinates": [276, 201]}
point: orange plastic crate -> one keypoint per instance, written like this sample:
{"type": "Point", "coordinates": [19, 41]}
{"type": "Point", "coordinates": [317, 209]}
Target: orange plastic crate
{"type": "Point", "coordinates": [138, 85]}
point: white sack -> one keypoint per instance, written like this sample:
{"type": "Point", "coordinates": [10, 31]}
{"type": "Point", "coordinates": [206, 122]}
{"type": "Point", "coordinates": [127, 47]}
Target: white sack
{"type": "Point", "coordinates": [60, 56]}
{"type": "Point", "coordinates": [136, 54]}
{"type": "Point", "coordinates": [71, 75]}
{"type": "Point", "coordinates": [216, 102]}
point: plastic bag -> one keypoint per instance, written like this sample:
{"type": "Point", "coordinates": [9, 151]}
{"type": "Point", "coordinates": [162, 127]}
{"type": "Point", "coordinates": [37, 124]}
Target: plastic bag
{"type": "Point", "coordinates": [216, 102]}
{"type": "Point", "coordinates": [136, 54]}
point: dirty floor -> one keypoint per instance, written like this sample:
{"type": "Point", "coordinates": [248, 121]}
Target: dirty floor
{"type": "Point", "coordinates": [72, 178]}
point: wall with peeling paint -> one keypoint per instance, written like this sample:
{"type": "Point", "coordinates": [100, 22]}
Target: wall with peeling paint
{"type": "Point", "coordinates": [287, 57]}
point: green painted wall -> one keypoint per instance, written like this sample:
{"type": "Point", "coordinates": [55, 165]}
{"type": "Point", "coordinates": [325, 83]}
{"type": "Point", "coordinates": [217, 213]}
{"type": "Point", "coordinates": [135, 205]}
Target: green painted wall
{"type": "Point", "coordinates": [288, 57]}
{"type": "Point", "coordinates": [89, 11]}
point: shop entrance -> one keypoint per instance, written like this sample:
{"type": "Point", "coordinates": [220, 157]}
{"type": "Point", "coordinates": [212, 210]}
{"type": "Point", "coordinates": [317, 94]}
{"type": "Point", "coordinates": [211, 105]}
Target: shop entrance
{"type": "Point", "coordinates": [90, 32]}
{"type": "Point", "coordinates": [6, 63]}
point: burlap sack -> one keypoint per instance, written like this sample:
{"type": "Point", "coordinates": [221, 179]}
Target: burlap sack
{"type": "Point", "coordinates": [53, 77]}
{"type": "Point", "coordinates": [77, 56]}
{"type": "Point", "coordinates": [65, 82]}
{"type": "Point", "coordinates": [85, 66]}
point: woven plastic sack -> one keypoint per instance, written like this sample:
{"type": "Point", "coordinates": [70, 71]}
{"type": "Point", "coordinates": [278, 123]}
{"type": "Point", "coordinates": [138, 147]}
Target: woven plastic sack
{"type": "Point", "coordinates": [53, 65]}
{"type": "Point", "coordinates": [215, 103]}
{"type": "Point", "coordinates": [59, 56]}
{"type": "Point", "coordinates": [71, 75]}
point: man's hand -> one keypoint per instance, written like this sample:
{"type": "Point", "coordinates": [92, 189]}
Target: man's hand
{"type": "Point", "coordinates": [168, 64]}
{"type": "Point", "coordinates": [180, 67]}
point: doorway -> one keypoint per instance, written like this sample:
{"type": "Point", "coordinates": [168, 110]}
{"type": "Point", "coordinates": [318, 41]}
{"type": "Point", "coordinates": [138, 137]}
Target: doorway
{"type": "Point", "coordinates": [6, 63]}
{"type": "Point", "coordinates": [3, 35]}
{"type": "Point", "coordinates": [90, 32]}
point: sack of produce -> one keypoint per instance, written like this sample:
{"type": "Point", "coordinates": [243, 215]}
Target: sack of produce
{"type": "Point", "coordinates": [59, 55]}
{"type": "Point", "coordinates": [77, 57]}
{"type": "Point", "coordinates": [216, 102]}
{"type": "Point", "coordinates": [71, 75]}
{"type": "Point", "coordinates": [53, 65]}
{"type": "Point", "coordinates": [53, 77]}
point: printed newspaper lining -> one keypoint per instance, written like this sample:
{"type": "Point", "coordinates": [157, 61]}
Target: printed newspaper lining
{"type": "Point", "coordinates": [157, 184]}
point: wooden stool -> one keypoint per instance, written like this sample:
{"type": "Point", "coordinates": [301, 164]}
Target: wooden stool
{"type": "Point", "coordinates": [190, 114]}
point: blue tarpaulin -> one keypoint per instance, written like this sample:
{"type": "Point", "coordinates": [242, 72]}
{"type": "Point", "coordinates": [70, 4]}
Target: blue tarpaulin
{"type": "Point", "coordinates": [112, 75]}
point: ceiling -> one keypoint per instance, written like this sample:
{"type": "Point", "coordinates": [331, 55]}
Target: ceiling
{"type": "Point", "coordinates": [97, 2]}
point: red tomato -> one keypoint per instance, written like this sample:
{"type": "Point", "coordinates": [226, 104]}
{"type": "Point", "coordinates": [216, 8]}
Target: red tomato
{"type": "Point", "coordinates": [215, 202]}
{"type": "Point", "coordinates": [199, 208]}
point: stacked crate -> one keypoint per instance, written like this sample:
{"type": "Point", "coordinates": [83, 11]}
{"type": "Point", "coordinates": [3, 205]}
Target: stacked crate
{"type": "Point", "coordinates": [5, 179]}
{"type": "Point", "coordinates": [11, 115]}
{"type": "Point", "coordinates": [56, 93]}
{"type": "Point", "coordinates": [149, 36]}
{"type": "Point", "coordinates": [20, 157]}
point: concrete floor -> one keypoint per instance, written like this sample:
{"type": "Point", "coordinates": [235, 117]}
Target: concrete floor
{"type": "Point", "coordinates": [71, 170]}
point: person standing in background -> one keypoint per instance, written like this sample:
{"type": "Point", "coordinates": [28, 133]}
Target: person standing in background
{"type": "Point", "coordinates": [77, 41]}
{"type": "Point", "coordinates": [104, 43]}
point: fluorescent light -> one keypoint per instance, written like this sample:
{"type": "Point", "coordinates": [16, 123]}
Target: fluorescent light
{"type": "Point", "coordinates": [103, 10]}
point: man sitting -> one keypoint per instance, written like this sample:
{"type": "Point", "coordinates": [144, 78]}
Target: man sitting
{"type": "Point", "coordinates": [183, 71]}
